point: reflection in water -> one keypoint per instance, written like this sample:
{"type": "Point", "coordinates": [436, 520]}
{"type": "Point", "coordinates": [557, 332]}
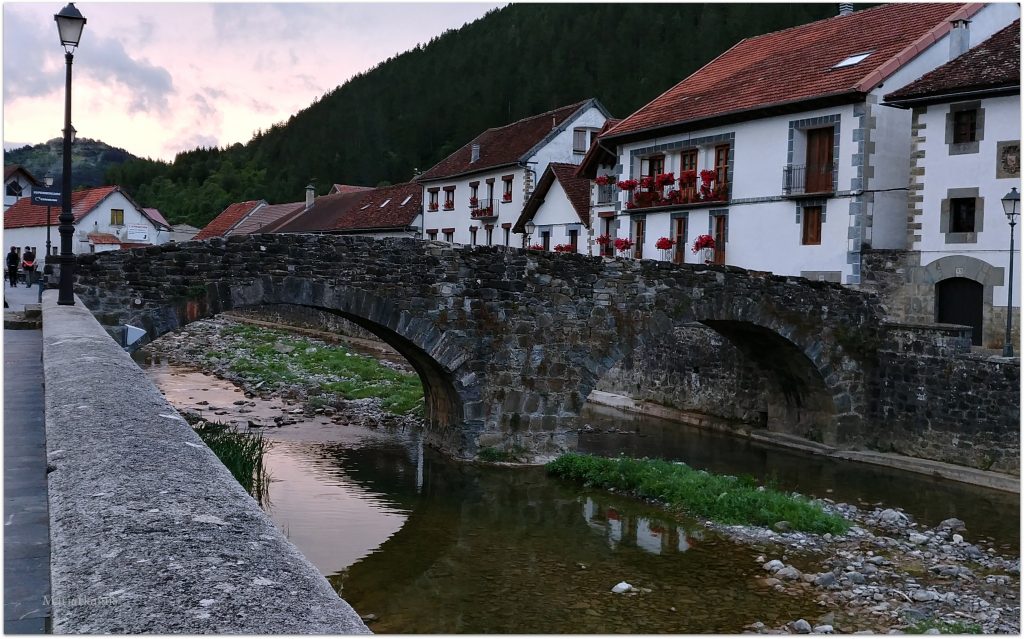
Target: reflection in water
{"type": "Point", "coordinates": [431, 546]}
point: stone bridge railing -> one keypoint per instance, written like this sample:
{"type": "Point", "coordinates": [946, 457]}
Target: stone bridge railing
{"type": "Point", "coordinates": [150, 533]}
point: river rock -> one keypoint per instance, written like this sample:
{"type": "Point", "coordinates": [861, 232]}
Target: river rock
{"type": "Point", "coordinates": [854, 577]}
{"type": "Point", "coordinates": [800, 626]}
{"type": "Point", "coordinates": [918, 538]}
{"type": "Point", "coordinates": [958, 539]}
{"type": "Point", "coordinates": [894, 517]}
{"type": "Point", "coordinates": [284, 349]}
{"type": "Point", "coordinates": [824, 629]}
{"type": "Point", "coordinates": [953, 524]}
{"type": "Point", "coordinates": [877, 560]}
{"type": "Point", "coordinates": [825, 579]}
{"type": "Point", "coordinates": [789, 572]}
{"type": "Point", "coordinates": [782, 526]}
{"type": "Point", "coordinates": [923, 595]}
{"type": "Point", "coordinates": [774, 565]}
{"type": "Point", "coordinates": [621, 587]}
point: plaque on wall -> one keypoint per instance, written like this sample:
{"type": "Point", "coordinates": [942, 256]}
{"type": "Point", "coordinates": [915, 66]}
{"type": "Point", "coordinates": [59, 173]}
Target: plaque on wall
{"type": "Point", "coordinates": [1008, 159]}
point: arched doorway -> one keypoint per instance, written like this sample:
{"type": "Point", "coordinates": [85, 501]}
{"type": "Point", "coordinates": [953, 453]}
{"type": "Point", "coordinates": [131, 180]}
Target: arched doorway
{"type": "Point", "coordinates": [959, 300]}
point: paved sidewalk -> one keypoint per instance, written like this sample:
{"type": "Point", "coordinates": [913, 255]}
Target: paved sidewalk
{"type": "Point", "coordinates": [18, 297]}
{"type": "Point", "coordinates": [26, 514]}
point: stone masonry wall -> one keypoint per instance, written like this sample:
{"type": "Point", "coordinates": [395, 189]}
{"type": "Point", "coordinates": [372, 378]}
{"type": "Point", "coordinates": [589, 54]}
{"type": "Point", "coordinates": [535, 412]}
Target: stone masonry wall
{"type": "Point", "coordinates": [936, 400]}
{"type": "Point", "coordinates": [306, 317]}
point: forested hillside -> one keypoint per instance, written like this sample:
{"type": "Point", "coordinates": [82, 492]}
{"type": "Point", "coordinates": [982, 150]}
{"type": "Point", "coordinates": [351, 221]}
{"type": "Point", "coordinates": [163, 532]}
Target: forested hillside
{"type": "Point", "coordinates": [411, 111]}
{"type": "Point", "coordinates": [90, 160]}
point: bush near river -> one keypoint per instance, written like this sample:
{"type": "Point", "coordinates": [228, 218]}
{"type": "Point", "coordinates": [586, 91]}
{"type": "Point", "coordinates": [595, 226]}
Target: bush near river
{"type": "Point", "coordinates": [725, 499]}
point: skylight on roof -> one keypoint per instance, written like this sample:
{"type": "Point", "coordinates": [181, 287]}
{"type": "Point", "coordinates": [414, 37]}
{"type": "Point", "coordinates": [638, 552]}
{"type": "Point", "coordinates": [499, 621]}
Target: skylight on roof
{"type": "Point", "coordinates": [853, 59]}
{"type": "Point", "coordinates": [406, 200]}
{"type": "Point", "coordinates": [384, 203]}
{"type": "Point", "coordinates": [364, 207]}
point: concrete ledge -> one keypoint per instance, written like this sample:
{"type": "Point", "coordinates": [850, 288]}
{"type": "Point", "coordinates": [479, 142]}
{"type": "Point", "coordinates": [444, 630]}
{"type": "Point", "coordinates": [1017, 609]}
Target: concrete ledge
{"type": "Point", "coordinates": [149, 532]}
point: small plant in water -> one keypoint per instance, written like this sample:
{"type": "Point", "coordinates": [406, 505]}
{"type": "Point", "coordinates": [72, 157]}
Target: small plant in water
{"type": "Point", "coordinates": [241, 452]}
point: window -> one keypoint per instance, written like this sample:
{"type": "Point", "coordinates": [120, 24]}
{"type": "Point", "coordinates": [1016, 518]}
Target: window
{"type": "Point", "coordinates": [965, 126]}
{"type": "Point", "coordinates": [638, 238]}
{"type": "Point", "coordinates": [432, 204]}
{"type": "Point", "coordinates": [652, 166]}
{"type": "Point", "coordinates": [721, 235]}
{"type": "Point", "coordinates": [490, 235]}
{"type": "Point", "coordinates": [574, 240]}
{"type": "Point", "coordinates": [117, 217]}
{"type": "Point", "coordinates": [472, 236]}
{"type": "Point", "coordinates": [449, 198]}
{"type": "Point", "coordinates": [852, 60]}
{"type": "Point", "coordinates": [13, 188]}
{"type": "Point", "coordinates": [579, 140]}
{"type": "Point", "coordinates": [432, 234]}
{"type": "Point", "coordinates": [679, 235]}
{"type": "Point", "coordinates": [545, 240]}
{"type": "Point", "coordinates": [508, 233]}
{"type": "Point", "coordinates": [812, 225]}
{"type": "Point", "coordinates": [448, 236]}
{"type": "Point", "coordinates": [608, 249]}
{"type": "Point", "coordinates": [961, 215]}
{"type": "Point", "coordinates": [721, 165]}
{"type": "Point", "coordinates": [506, 195]}
{"type": "Point", "coordinates": [473, 188]}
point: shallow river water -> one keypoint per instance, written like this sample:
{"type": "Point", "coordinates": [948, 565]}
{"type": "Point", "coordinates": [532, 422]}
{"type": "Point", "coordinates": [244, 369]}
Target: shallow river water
{"type": "Point", "coordinates": [430, 546]}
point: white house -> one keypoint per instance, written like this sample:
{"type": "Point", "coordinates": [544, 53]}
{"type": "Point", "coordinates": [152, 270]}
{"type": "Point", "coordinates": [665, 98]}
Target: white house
{"type": "Point", "coordinates": [476, 194]}
{"type": "Point", "coordinates": [557, 215]}
{"type": "Point", "coordinates": [106, 219]}
{"type": "Point", "coordinates": [18, 183]}
{"type": "Point", "coordinates": [964, 158]}
{"type": "Point", "coordinates": [780, 149]}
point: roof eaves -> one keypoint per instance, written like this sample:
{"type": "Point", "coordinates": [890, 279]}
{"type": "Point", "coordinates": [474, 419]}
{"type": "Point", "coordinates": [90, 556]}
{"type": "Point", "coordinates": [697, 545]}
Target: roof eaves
{"type": "Point", "coordinates": [536, 199]}
{"type": "Point", "coordinates": [911, 51]}
{"type": "Point", "coordinates": [922, 99]}
{"type": "Point", "coordinates": [563, 125]}
{"type": "Point", "coordinates": [481, 169]}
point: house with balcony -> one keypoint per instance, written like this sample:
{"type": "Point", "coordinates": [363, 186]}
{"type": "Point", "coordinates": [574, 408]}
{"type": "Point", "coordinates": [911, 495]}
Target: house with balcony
{"type": "Point", "coordinates": [106, 219]}
{"type": "Point", "coordinates": [780, 149]}
{"type": "Point", "coordinates": [964, 159]}
{"type": "Point", "coordinates": [476, 195]}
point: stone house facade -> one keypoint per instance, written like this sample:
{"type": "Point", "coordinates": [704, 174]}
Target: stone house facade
{"type": "Point", "coordinates": [964, 158]}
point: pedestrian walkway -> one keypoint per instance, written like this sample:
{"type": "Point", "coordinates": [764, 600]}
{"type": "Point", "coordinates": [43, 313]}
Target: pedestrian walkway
{"type": "Point", "coordinates": [26, 514]}
{"type": "Point", "coordinates": [17, 297]}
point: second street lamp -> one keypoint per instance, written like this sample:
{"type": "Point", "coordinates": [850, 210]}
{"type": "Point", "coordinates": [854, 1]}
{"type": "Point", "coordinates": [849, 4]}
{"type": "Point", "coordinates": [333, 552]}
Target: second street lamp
{"type": "Point", "coordinates": [1011, 206]}
{"type": "Point", "coordinates": [70, 23]}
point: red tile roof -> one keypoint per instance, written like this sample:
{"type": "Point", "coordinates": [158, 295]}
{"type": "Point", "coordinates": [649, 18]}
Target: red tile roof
{"type": "Point", "coordinates": [23, 213]}
{"type": "Point", "coordinates": [577, 189]}
{"type": "Point", "coordinates": [504, 145]}
{"type": "Point", "coordinates": [322, 216]}
{"type": "Point", "coordinates": [230, 216]}
{"type": "Point", "coordinates": [388, 207]}
{"type": "Point", "coordinates": [103, 238]}
{"type": "Point", "coordinates": [347, 188]}
{"type": "Point", "coordinates": [993, 64]}
{"type": "Point", "coordinates": [797, 65]}
{"type": "Point", "coordinates": [264, 217]}
{"type": "Point", "coordinates": [156, 216]}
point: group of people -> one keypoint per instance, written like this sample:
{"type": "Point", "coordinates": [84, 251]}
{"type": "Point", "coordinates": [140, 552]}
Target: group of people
{"type": "Point", "coordinates": [26, 261]}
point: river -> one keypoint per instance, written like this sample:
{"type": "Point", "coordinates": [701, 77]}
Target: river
{"type": "Point", "coordinates": [420, 544]}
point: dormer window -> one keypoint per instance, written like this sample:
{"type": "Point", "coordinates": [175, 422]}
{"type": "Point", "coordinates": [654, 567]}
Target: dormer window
{"type": "Point", "coordinates": [853, 59]}
{"type": "Point", "coordinates": [582, 139]}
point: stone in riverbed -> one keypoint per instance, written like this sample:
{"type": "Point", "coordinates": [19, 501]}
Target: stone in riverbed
{"type": "Point", "coordinates": [621, 587]}
{"type": "Point", "coordinates": [890, 516]}
{"type": "Point", "coordinates": [958, 539]}
{"type": "Point", "coordinates": [800, 626]}
{"type": "Point", "coordinates": [854, 577]}
{"type": "Point", "coordinates": [789, 572]}
{"type": "Point", "coordinates": [918, 538]}
{"type": "Point", "coordinates": [825, 579]}
{"type": "Point", "coordinates": [824, 629]}
{"type": "Point", "coordinates": [924, 595]}
{"type": "Point", "coordinates": [774, 565]}
{"type": "Point", "coordinates": [782, 526]}
{"type": "Point", "coordinates": [952, 524]}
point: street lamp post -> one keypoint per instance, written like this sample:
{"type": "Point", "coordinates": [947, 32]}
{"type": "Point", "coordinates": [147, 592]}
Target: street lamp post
{"type": "Point", "coordinates": [48, 181]}
{"type": "Point", "coordinates": [70, 23]}
{"type": "Point", "coordinates": [1011, 204]}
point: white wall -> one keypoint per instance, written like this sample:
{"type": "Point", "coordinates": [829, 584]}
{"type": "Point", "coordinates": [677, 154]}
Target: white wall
{"type": "Point", "coordinates": [557, 216]}
{"type": "Point", "coordinates": [98, 220]}
{"type": "Point", "coordinates": [559, 148]}
{"type": "Point", "coordinates": [26, 190]}
{"type": "Point", "coordinates": [944, 171]}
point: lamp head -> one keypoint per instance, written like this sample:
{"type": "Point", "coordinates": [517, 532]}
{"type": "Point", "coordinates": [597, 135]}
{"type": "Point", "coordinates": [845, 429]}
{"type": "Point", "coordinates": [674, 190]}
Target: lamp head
{"type": "Point", "coordinates": [1011, 205]}
{"type": "Point", "coordinates": [48, 179]}
{"type": "Point", "coordinates": [530, 228]}
{"type": "Point", "coordinates": [70, 23]}
{"type": "Point", "coordinates": [73, 132]}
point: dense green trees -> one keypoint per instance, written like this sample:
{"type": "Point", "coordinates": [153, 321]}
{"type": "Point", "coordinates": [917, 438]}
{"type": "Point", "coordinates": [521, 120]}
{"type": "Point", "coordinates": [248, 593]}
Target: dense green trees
{"type": "Point", "coordinates": [412, 110]}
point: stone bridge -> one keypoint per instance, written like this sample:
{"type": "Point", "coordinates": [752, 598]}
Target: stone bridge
{"type": "Point", "coordinates": [507, 342]}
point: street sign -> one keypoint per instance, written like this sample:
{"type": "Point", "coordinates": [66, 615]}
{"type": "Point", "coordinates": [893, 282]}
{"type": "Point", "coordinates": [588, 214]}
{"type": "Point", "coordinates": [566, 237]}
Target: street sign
{"type": "Point", "coordinates": [46, 198]}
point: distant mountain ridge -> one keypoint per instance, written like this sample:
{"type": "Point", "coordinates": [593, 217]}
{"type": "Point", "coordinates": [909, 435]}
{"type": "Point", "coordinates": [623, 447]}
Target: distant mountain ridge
{"type": "Point", "coordinates": [90, 160]}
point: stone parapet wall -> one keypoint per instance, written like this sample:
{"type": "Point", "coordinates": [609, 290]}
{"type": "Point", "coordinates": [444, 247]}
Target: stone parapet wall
{"type": "Point", "coordinates": [149, 532]}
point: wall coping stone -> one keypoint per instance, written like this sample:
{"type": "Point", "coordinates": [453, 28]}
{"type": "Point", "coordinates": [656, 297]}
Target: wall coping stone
{"type": "Point", "coordinates": [149, 531]}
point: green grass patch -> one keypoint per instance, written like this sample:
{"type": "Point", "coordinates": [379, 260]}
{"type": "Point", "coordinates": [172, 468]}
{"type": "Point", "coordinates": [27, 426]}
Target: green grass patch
{"type": "Point", "coordinates": [944, 627]}
{"type": "Point", "coordinates": [727, 500]}
{"type": "Point", "coordinates": [491, 454]}
{"type": "Point", "coordinates": [240, 452]}
{"type": "Point", "coordinates": [342, 374]}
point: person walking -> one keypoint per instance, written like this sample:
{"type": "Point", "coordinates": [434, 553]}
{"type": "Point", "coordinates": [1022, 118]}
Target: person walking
{"type": "Point", "coordinates": [12, 266]}
{"type": "Point", "coordinates": [28, 262]}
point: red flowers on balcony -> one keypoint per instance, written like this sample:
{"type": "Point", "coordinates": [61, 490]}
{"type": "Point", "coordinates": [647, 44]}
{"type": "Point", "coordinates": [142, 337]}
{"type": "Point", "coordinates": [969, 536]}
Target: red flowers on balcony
{"type": "Point", "coordinates": [664, 180]}
{"type": "Point", "coordinates": [653, 189]}
{"type": "Point", "coordinates": [473, 202]}
{"type": "Point", "coordinates": [664, 243]}
{"type": "Point", "coordinates": [506, 197]}
{"type": "Point", "coordinates": [563, 248]}
{"type": "Point", "coordinates": [536, 247]}
{"type": "Point", "coordinates": [703, 242]}
{"type": "Point", "coordinates": [623, 244]}
{"type": "Point", "coordinates": [603, 240]}
{"type": "Point", "coordinates": [605, 180]}
{"type": "Point", "coordinates": [628, 185]}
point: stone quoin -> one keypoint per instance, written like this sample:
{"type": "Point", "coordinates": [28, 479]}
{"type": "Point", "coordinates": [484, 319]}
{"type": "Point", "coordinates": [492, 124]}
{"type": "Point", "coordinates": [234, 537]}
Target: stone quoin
{"type": "Point", "coordinates": [509, 343]}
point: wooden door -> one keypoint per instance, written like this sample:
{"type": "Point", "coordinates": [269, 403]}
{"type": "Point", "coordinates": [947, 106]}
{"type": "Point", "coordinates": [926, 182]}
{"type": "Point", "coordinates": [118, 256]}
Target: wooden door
{"type": "Point", "coordinates": [819, 160]}
{"type": "Point", "coordinates": [679, 231]}
{"type": "Point", "coordinates": [719, 257]}
{"type": "Point", "coordinates": [958, 300]}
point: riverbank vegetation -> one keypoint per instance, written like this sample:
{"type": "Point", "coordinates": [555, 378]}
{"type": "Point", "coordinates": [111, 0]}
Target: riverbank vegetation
{"type": "Point", "coordinates": [274, 358]}
{"type": "Point", "coordinates": [725, 499]}
{"type": "Point", "coordinates": [241, 452]}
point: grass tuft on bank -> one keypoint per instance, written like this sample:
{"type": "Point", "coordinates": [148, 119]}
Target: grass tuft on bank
{"type": "Point", "coordinates": [276, 357]}
{"type": "Point", "coordinates": [241, 453]}
{"type": "Point", "coordinates": [720, 498]}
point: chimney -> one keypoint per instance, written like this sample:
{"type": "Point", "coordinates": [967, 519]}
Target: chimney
{"type": "Point", "coordinates": [474, 153]}
{"type": "Point", "coordinates": [310, 195]}
{"type": "Point", "coordinates": [845, 8]}
{"type": "Point", "coordinates": [959, 38]}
